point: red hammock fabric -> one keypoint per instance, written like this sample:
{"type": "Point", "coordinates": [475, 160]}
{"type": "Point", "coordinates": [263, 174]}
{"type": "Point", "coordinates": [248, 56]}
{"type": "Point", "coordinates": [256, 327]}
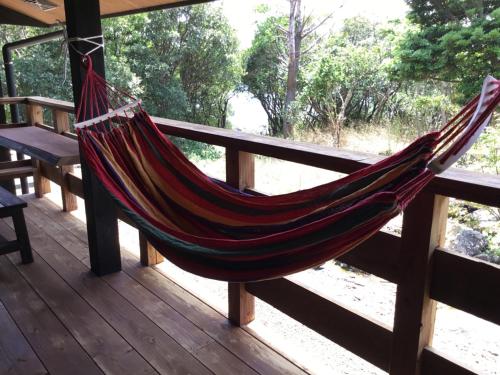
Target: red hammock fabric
{"type": "Point", "coordinates": [213, 230]}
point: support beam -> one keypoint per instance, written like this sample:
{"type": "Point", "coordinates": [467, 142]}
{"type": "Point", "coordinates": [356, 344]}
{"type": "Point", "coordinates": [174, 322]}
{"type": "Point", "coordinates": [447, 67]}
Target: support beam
{"type": "Point", "coordinates": [240, 173]}
{"type": "Point", "coordinates": [83, 20]}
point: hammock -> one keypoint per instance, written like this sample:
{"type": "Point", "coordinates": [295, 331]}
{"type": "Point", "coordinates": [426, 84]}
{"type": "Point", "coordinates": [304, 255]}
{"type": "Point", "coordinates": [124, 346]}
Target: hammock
{"type": "Point", "coordinates": [213, 230]}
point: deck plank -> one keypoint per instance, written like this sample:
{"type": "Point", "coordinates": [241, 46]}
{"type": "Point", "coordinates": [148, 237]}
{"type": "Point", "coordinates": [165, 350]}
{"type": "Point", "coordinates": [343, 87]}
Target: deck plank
{"type": "Point", "coordinates": [201, 345]}
{"type": "Point", "coordinates": [159, 349]}
{"type": "Point", "coordinates": [173, 323]}
{"type": "Point", "coordinates": [183, 331]}
{"type": "Point", "coordinates": [252, 351]}
{"type": "Point", "coordinates": [16, 355]}
{"type": "Point", "coordinates": [249, 349]}
{"type": "Point", "coordinates": [103, 344]}
{"type": "Point", "coordinates": [54, 345]}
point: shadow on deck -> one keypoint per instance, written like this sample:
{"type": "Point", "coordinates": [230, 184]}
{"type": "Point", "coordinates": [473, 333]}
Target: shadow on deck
{"type": "Point", "coordinates": [57, 317]}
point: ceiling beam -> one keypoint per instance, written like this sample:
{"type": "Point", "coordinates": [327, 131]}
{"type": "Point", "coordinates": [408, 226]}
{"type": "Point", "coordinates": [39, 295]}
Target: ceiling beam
{"type": "Point", "coordinates": [176, 4]}
{"type": "Point", "coordinates": [11, 17]}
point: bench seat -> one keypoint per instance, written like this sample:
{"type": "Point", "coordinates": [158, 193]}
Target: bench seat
{"type": "Point", "coordinates": [12, 206]}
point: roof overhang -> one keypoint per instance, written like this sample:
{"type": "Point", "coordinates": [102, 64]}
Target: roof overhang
{"type": "Point", "coordinates": [51, 12]}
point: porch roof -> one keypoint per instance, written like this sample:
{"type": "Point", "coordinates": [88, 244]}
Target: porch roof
{"type": "Point", "coordinates": [51, 12]}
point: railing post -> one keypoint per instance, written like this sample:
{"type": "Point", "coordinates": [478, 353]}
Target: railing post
{"type": "Point", "coordinates": [61, 126]}
{"type": "Point", "coordinates": [149, 255]}
{"type": "Point", "coordinates": [240, 173]}
{"type": "Point", "coordinates": [424, 229]}
{"type": "Point", "coordinates": [34, 114]}
{"type": "Point", "coordinates": [61, 121]}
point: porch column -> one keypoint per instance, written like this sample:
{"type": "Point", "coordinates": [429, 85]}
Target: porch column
{"type": "Point", "coordinates": [83, 20]}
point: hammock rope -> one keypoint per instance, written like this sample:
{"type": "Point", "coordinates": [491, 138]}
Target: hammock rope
{"type": "Point", "coordinates": [211, 229]}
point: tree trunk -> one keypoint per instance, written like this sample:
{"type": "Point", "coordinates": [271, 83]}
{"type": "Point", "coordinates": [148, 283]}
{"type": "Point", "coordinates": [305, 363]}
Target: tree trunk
{"type": "Point", "coordinates": [294, 45]}
{"type": "Point", "coordinates": [341, 117]}
{"type": "Point", "coordinates": [223, 113]}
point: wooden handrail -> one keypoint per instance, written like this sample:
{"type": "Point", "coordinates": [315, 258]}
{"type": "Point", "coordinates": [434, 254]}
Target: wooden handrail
{"type": "Point", "coordinates": [401, 260]}
{"type": "Point", "coordinates": [455, 183]}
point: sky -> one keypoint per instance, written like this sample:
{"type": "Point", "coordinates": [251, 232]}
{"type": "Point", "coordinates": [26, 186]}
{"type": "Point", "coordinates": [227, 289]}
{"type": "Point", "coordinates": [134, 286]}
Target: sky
{"type": "Point", "coordinates": [241, 13]}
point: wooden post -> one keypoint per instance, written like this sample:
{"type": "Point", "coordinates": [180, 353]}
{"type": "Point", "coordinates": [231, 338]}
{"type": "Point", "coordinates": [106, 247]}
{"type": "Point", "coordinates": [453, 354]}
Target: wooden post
{"type": "Point", "coordinates": [34, 114]}
{"type": "Point", "coordinates": [61, 121]}
{"type": "Point", "coordinates": [9, 185]}
{"type": "Point", "coordinates": [149, 255]}
{"type": "Point", "coordinates": [41, 184]}
{"type": "Point", "coordinates": [424, 229]}
{"type": "Point", "coordinates": [61, 126]}
{"type": "Point", "coordinates": [69, 201]}
{"type": "Point", "coordinates": [83, 20]}
{"type": "Point", "coordinates": [240, 173]}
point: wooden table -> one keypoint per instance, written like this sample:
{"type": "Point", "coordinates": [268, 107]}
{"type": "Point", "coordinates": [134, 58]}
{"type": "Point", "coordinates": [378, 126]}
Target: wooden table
{"type": "Point", "coordinates": [40, 144]}
{"type": "Point", "coordinates": [53, 156]}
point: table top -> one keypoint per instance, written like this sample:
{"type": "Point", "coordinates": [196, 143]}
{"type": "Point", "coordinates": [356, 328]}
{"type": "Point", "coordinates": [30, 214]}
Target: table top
{"type": "Point", "coordinates": [41, 144]}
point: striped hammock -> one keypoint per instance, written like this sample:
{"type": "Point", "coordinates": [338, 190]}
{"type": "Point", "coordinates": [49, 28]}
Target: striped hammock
{"type": "Point", "coordinates": [213, 230]}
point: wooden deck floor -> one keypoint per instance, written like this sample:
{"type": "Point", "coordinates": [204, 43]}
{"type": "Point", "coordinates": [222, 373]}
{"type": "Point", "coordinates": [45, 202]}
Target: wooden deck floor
{"type": "Point", "coordinates": [58, 318]}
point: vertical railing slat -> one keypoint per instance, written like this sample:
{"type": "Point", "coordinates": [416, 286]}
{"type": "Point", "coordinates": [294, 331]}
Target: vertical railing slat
{"type": "Point", "coordinates": [240, 173]}
{"type": "Point", "coordinates": [424, 226]}
{"type": "Point", "coordinates": [34, 115]}
{"type": "Point", "coordinates": [61, 126]}
{"type": "Point", "coordinates": [149, 255]}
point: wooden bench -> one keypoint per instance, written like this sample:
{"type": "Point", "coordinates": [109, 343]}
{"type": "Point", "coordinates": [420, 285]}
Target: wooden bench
{"type": "Point", "coordinates": [12, 206]}
{"type": "Point", "coordinates": [53, 157]}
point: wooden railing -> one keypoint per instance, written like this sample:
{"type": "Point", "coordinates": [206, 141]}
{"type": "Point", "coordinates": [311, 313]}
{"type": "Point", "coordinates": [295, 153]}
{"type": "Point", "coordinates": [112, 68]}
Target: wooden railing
{"type": "Point", "coordinates": [416, 261]}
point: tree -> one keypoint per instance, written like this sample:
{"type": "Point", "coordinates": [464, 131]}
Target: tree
{"type": "Point", "coordinates": [274, 62]}
{"type": "Point", "coordinates": [294, 38]}
{"type": "Point", "coordinates": [266, 71]}
{"type": "Point", "coordinates": [188, 63]}
{"type": "Point", "coordinates": [210, 69]}
{"type": "Point", "coordinates": [455, 41]}
{"type": "Point", "coordinates": [300, 27]}
{"type": "Point", "coordinates": [350, 78]}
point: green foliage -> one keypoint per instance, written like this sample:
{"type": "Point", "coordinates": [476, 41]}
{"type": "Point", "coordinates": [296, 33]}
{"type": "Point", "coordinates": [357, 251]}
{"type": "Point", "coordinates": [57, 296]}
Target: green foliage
{"type": "Point", "coordinates": [266, 73]}
{"type": "Point", "coordinates": [484, 156]}
{"type": "Point", "coordinates": [418, 108]}
{"type": "Point", "coordinates": [455, 41]}
{"type": "Point", "coordinates": [188, 61]}
{"type": "Point", "coordinates": [183, 62]}
{"type": "Point", "coordinates": [350, 77]}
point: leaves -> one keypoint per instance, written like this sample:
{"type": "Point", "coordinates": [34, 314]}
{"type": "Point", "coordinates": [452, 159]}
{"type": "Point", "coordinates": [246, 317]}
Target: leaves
{"type": "Point", "coordinates": [458, 42]}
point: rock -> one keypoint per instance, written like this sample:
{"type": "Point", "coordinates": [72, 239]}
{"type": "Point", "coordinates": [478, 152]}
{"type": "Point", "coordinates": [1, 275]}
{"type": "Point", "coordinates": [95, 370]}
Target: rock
{"type": "Point", "coordinates": [495, 259]}
{"type": "Point", "coordinates": [469, 242]}
{"type": "Point", "coordinates": [483, 256]}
